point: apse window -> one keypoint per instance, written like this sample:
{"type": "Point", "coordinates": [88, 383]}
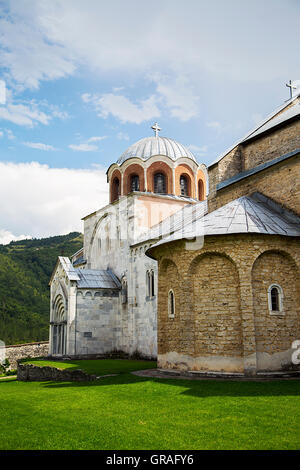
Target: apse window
{"type": "Point", "coordinates": [171, 304]}
{"type": "Point", "coordinates": [275, 299]}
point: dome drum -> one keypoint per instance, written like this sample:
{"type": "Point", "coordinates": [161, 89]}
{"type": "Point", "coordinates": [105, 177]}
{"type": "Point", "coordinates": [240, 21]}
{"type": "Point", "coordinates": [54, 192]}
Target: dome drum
{"type": "Point", "coordinates": [159, 165]}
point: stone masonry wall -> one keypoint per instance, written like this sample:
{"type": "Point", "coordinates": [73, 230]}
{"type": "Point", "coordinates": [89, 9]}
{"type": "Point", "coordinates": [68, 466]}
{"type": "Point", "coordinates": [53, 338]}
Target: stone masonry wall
{"type": "Point", "coordinates": [98, 312]}
{"type": "Point", "coordinates": [252, 153]}
{"type": "Point", "coordinates": [30, 372]}
{"type": "Point", "coordinates": [280, 182]}
{"type": "Point", "coordinates": [20, 351]}
{"type": "Point", "coordinates": [275, 333]}
{"type": "Point", "coordinates": [272, 145]}
{"type": "Point", "coordinates": [222, 322]}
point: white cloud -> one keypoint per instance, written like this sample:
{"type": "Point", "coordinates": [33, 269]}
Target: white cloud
{"type": "Point", "coordinates": [24, 115]}
{"type": "Point", "coordinates": [10, 134]}
{"type": "Point", "coordinates": [29, 113]}
{"type": "Point", "coordinates": [214, 124]}
{"type": "Point", "coordinates": [122, 136]}
{"type": "Point", "coordinates": [122, 108]}
{"type": "Point", "coordinates": [7, 237]}
{"type": "Point", "coordinates": [52, 200]}
{"type": "Point", "coordinates": [97, 139]}
{"type": "Point", "coordinates": [2, 92]}
{"type": "Point", "coordinates": [194, 49]}
{"type": "Point", "coordinates": [7, 133]}
{"type": "Point", "coordinates": [87, 145]}
{"type": "Point", "coordinates": [39, 146]}
{"type": "Point", "coordinates": [200, 151]}
{"type": "Point", "coordinates": [45, 40]}
{"type": "Point", "coordinates": [179, 96]}
{"type": "Point", "coordinates": [27, 52]}
{"type": "Point", "coordinates": [83, 147]}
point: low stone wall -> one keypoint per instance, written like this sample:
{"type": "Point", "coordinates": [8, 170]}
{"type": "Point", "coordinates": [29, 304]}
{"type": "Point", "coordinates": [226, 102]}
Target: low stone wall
{"type": "Point", "coordinates": [30, 372]}
{"type": "Point", "coordinates": [19, 351]}
{"type": "Point", "coordinates": [108, 355]}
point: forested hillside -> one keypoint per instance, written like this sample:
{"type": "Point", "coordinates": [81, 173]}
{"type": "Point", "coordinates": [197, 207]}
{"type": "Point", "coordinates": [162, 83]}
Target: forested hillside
{"type": "Point", "coordinates": [25, 270]}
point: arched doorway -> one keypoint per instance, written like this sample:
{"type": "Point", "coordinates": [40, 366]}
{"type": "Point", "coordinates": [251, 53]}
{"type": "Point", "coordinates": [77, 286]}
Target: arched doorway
{"type": "Point", "coordinates": [59, 327]}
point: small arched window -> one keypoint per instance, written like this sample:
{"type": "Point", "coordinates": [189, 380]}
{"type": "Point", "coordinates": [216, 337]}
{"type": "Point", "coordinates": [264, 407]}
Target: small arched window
{"type": "Point", "coordinates": [134, 183]}
{"type": "Point", "coordinates": [184, 186]}
{"type": "Point", "coordinates": [115, 189]}
{"type": "Point", "coordinates": [150, 283]}
{"type": "Point", "coordinates": [200, 190]}
{"type": "Point", "coordinates": [124, 291]}
{"type": "Point", "coordinates": [275, 299]}
{"type": "Point", "coordinates": [159, 183]}
{"type": "Point", "coordinates": [171, 304]}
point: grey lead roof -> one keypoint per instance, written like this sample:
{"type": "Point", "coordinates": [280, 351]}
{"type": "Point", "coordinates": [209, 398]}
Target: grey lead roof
{"type": "Point", "coordinates": [78, 261]}
{"type": "Point", "coordinates": [175, 222]}
{"type": "Point", "coordinates": [150, 146]}
{"type": "Point", "coordinates": [97, 279]}
{"type": "Point", "coordinates": [70, 271]}
{"type": "Point", "coordinates": [247, 214]}
{"type": "Point", "coordinates": [90, 278]}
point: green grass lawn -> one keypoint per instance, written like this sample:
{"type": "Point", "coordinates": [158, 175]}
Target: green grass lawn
{"type": "Point", "coordinates": [130, 412]}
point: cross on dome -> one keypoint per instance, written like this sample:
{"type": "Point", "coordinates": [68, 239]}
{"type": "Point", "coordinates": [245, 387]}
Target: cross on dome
{"type": "Point", "coordinates": [156, 129]}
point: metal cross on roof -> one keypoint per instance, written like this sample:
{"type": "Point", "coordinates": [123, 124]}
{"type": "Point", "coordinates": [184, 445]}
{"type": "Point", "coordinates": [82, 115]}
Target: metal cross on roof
{"type": "Point", "coordinates": [156, 129]}
{"type": "Point", "coordinates": [291, 87]}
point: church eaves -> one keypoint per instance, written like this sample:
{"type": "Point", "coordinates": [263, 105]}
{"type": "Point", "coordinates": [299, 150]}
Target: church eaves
{"type": "Point", "coordinates": [247, 214]}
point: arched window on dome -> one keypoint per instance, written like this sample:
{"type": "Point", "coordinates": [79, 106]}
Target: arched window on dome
{"type": "Point", "coordinates": [159, 183]}
{"type": "Point", "coordinates": [134, 183]}
{"type": "Point", "coordinates": [115, 189]}
{"type": "Point", "coordinates": [200, 190]}
{"type": "Point", "coordinates": [184, 186]}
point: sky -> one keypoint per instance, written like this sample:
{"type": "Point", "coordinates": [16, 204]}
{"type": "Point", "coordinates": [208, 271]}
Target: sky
{"type": "Point", "coordinates": [82, 80]}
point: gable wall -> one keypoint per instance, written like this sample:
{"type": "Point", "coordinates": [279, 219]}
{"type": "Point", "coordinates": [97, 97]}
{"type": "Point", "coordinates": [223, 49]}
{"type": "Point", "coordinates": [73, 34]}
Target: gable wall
{"type": "Point", "coordinates": [280, 182]}
{"type": "Point", "coordinates": [250, 154]}
{"type": "Point", "coordinates": [272, 145]}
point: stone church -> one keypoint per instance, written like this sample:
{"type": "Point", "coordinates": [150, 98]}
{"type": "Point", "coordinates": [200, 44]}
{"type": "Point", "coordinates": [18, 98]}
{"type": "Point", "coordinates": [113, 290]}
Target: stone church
{"type": "Point", "coordinates": [105, 298]}
{"type": "Point", "coordinates": [196, 266]}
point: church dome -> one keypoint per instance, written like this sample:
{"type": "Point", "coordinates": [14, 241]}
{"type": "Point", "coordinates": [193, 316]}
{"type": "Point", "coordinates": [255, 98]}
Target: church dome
{"type": "Point", "coordinates": [156, 145]}
{"type": "Point", "coordinates": [135, 171]}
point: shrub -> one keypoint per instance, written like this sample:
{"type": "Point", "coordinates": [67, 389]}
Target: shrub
{"type": "Point", "coordinates": [4, 366]}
